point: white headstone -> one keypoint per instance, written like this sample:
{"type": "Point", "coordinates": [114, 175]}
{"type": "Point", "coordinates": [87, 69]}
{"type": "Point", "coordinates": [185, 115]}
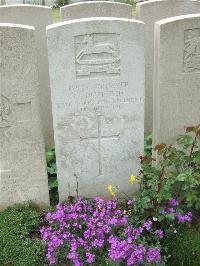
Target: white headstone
{"type": "Point", "coordinates": [49, 3]}
{"type": "Point", "coordinates": [149, 12]}
{"type": "Point", "coordinates": [23, 175]}
{"type": "Point", "coordinates": [95, 9]}
{"type": "Point", "coordinates": [97, 82]}
{"type": "Point", "coordinates": [13, 2]}
{"type": "Point", "coordinates": [38, 17]}
{"type": "Point", "coordinates": [33, 2]}
{"type": "Point", "coordinates": [177, 76]}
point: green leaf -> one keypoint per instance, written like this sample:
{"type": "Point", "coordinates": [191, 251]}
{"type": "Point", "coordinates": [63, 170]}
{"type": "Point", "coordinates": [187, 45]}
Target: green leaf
{"type": "Point", "coordinates": [170, 216]}
{"type": "Point", "coordinates": [50, 156]}
{"type": "Point", "coordinates": [185, 140]}
{"type": "Point", "coordinates": [197, 158]}
{"type": "Point", "coordinates": [53, 183]}
{"type": "Point", "coordinates": [182, 177]}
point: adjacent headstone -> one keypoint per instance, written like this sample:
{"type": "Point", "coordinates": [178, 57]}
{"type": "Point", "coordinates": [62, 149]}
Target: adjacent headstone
{"type": "Point", "coordinates": [23, 175]}
{"type": "Point", "coordinates": [177, 77]}
{"type": "Point", "coordinates": [49, 3]}
{"type": "Point", "coordinates": [33, 2]}
{"type": "Point", "coordinates": [75, 1]}
{"type": "Point", "coordinates": [97, 82]}
{"type": "Point", "coordinates": [150, 12]}
{"type": "Point", "coordinates": [38, 17]}
{"type": "Point", "coordinates": [13, 2]}
{"type": "Point", "coordinates": [95, 9]}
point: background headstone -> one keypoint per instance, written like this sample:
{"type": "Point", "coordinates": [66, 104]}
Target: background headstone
{"type": "Point", "coordinates": [33, 2]}
{"type": "Point", "coordinates": [150, 12]}
{"type": "Point", "coordinates": [75, 1]}
{"type": "Point", "coordinates": [97, 103]}
{"type": "Point", "coordinates": [13, 2]}
{"type": "Point", "coordinates": [49, 3]}
{"type": "Point", "coordinates": [23, 175]}
{"type": "Point", "coordinates": [38, 17]}
{"type": "Point", "coordinates": [95, 9]}
{"type": "Point", "coordinates": [79, 1]}
{"type": "Point", "coordinates": [177, 77]}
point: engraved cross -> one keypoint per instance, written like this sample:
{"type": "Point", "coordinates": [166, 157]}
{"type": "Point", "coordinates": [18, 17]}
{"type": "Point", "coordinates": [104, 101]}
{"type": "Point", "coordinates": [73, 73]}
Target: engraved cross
{"type": "Point", "coordinates": [99, 139]}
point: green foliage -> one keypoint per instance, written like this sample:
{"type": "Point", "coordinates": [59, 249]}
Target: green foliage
{"type": "Point", "coordinates": [59, 3]}
{"type": "Point", "coordinates": [19, 239]}
{"type": "Point", "coordinates": [52, 174]}
{"type": "Point", "coordinates": [185, 248]}
{"type": "Point", "coordinates": [175, 174]}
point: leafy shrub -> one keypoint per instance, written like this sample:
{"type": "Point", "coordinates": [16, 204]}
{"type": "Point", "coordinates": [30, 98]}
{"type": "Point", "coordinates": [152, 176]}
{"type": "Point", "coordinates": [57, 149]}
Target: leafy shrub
{"type": "Point", "coordinates": [19, 241]}
{"type": "Point", "coordinates": [169, 186]}
{"type": "Point", "coordinates": [176, 174]}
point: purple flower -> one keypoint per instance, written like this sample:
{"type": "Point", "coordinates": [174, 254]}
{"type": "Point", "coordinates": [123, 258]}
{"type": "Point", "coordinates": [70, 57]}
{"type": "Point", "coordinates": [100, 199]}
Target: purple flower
{"type": "Point", "coordinates": [138, 231]}
{"type": "Point", "coordinates": [185, 218]}
{"type": "Point", "coordinates": [96, 219]}
{"type": "Point", "coordinates": [153, 255]}
{"type": "Point", "coordinates": [137, 255]}
{"type": "Point", "coordinates": [170, 210]}
{"type": "Point", "coordinates": [148, 225]}
{"type": "Point", "coordinates": [159, 233]}
{"type": "Point", "coordinates": [173, 202]}
{"type": "Point", "coordinates": [98, 243]}
{"type": "Point", "coordinates": [130, 202]}
{"type": "Point", "coordinates": [90, 257]}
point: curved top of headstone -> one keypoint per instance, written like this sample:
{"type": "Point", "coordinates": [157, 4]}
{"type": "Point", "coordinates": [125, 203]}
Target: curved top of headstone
{"type": "Point", "coordinates": [156, 2]}
{"type": "Point", "coordinates": [26, 6]}
{"type": "Point", "coordinates": [12, 25]}
{"type": "Point", "coordinates": [177, 18]}
{"type": "Point", "coordinates": [95, 9]}
{"type": "Point", "coordinates": [74, 21]}
{"type": "Point", "coordinates": [24, 11]}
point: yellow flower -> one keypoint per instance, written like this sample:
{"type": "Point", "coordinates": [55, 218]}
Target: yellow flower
{"type": "Point", "coordinates": [110, 189]}
{"type": "Point", "coordinates": [132, 179]}
{"type": "Point", "coordinates": [125, 211]}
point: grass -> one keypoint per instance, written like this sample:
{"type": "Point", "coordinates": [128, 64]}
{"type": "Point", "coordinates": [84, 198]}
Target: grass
{"type": "Point", "coordinates": [56, 14]}
{"type": "Point", "coordinates": [20, 244]}
{"type": "Point", "coordinates": [185, 248]}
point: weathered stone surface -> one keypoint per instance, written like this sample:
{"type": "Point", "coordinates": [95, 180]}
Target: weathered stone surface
{"type": "Point", "coordinates": [49, 3]}
{"type": "Point", "coordinates": [177, 76]}
{"type": "Point", "coordinates": [97, 82]}
{"type": "Point", "coordinates": [75, 1]}
{"type": "Point", "coordinates": [13, 2]}
{"type": "Point", "coordinates": [150, 12]}
{"type": "Point", "coordinates": [33, 2]}
{"type": "Point", "coordinates": [95, 9]}
{"type": "Point", "coordinates": [23, 173]}
{"type": "Point", "coordinates": [38, 17]}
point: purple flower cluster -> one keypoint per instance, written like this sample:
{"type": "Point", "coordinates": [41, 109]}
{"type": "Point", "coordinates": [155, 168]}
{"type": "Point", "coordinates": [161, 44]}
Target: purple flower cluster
{"type": "Point", "coordinates": [153, 255]}
{"type": "Point", "coordinates": [181, 218]}
{"type": "Point", "coordinates": [82, 229]}
{"type": "Point", "coordinates": [127, 249]}
{"type": "Point", "coordinates": [173, 202]}
{"type": "Point", "coordinates": [159, 233]}
{"type": "Point", "coordinates": [185, 218]}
